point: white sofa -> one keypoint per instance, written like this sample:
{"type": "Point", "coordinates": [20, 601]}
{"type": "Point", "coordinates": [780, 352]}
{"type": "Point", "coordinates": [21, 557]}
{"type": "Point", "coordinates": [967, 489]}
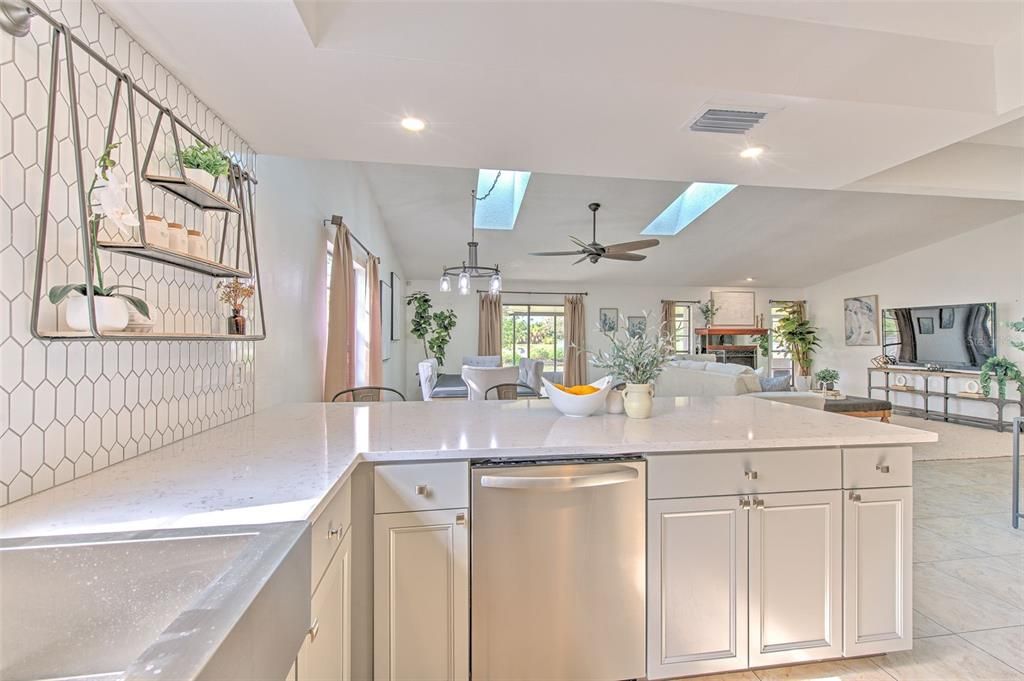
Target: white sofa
{"type": "Point", "coordinates": [685, 378]}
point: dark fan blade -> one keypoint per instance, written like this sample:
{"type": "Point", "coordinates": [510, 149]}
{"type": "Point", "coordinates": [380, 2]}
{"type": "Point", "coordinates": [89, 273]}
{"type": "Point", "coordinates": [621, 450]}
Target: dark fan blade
{"type": "Point", "coordinates": [558, 253]}
{"type": "Point", "coordinates": [635, 257]}
{"type": "Point", "coordinates": [631, 246]}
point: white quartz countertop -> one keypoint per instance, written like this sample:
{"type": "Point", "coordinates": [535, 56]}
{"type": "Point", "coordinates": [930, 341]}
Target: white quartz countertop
{"type": "Point", "coordinates": [280, 464]}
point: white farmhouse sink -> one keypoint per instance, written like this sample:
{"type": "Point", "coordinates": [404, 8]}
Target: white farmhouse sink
{"type": "Point", "coordinates": [174, 604]}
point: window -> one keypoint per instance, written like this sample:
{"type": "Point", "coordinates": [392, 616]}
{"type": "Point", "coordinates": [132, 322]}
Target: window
{"type": "Point", "coordinates": [533, 331]}
{"type": "Point", "coordinates": [781, 359]}
{"type": "Point", "coordinates": [683, 330]}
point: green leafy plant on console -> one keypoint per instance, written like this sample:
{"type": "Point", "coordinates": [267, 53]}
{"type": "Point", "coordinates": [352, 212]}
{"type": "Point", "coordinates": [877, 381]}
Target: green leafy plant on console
{"type": "Point", "coordinates": [433, 329]}
{"type": "Point", "coordinates": [826, 376]}
{"type": "Point", "coordinates": [1003, 370]}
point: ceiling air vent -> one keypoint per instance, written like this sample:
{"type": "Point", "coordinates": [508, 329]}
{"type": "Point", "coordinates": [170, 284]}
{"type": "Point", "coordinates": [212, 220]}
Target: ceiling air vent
{"type": "Point", "coordinates": [727, 121]}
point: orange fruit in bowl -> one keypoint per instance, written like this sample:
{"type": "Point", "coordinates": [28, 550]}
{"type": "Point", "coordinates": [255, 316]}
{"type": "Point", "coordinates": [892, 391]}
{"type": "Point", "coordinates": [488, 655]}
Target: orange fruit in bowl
{"type": "Point", "coordinates": [577, 389]}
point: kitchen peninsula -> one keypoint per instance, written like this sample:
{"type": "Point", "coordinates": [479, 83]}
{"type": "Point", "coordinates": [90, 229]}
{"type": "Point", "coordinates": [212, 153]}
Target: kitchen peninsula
{"type": "Point", "coordinates": [801, 519]}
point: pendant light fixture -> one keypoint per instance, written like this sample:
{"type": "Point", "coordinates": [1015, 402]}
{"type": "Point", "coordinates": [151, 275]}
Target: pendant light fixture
{"type": "Point", "coordinates": [470, 268]}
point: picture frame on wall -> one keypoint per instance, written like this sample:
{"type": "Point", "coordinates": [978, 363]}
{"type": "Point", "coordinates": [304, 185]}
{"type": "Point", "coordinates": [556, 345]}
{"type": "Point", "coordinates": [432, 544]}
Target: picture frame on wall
{"type": "Point", "coordinates": [735, 308]}
{"type": "Point", "coordinates": [395, 330]}
{"type": "Point", "coordinates": [636, 326]}
{"type": "Point", "coordinates": [387, 303]}
{"type": "Point", "coordinates": [609, 319]}
{"type": "Point", "coordinates": [862, 321]}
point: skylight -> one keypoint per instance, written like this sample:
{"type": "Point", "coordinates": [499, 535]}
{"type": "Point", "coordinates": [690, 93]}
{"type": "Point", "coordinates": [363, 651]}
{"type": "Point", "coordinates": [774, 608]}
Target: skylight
{"type": "Point", "coordinates": [687, 207]}
{"type": "Point", "coordinates": [501, 208]}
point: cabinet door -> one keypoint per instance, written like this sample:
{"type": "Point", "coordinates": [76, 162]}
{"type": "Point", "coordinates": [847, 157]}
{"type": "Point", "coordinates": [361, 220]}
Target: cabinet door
{"type": "Point", "coordinates": [795, 577]}
{"type": "Point", "coordinates": [697, 586]}
{"type": "Point", "coordinates": [421, 596]}
{"type": "Point", "coordinates": [326, 653]}
{"type": "Point", "coordinates": [877, 560]}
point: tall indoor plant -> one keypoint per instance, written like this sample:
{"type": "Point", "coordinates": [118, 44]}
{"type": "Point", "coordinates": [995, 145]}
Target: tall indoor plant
{"type": "Point", "coordinates": [106, 202]}
{"type": "Point", "coordinates": [801, 338]}
{"type": "Point", "coordinates": [432, 328]}
{"type": "Point", "coordinates": [637, 360]}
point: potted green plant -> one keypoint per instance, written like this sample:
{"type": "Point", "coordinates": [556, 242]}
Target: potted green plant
{"type": "Point", "coordinates": [801, 338]}
{"type": "Point", "coordinates": [826, 379]}
{"type": "Point", "coordinates": [637, 359]}
{"type": "Point", "coordinates": [1004, 370]}
{"type": "Point", "coordinates": [106, 201]}
{"type": "Point", "coordinates": [204, 164]}
{"type": "Point", "coordinates": [432, 328]}
{"type": "Point", "coordinates": [708, 310]}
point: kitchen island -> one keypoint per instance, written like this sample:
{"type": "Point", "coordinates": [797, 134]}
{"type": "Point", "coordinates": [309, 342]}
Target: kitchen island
{"type": "Point", "coordinates": [802, 519]}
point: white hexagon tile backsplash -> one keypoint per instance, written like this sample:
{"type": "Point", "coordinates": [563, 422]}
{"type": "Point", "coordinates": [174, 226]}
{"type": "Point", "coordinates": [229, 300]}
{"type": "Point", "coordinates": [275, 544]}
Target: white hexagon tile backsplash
{"type": "Point", "coordinates": [70, 408]}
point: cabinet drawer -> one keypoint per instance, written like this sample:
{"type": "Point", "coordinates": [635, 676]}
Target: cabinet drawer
{"type": "Point", "coordinates": [877, 467]}
{"type": "Point", "coordinates": [420, 487]}
{"type": "Point", "coordinates": [329, 529]}
{"type": "Point", "coordinates": [674, 476]}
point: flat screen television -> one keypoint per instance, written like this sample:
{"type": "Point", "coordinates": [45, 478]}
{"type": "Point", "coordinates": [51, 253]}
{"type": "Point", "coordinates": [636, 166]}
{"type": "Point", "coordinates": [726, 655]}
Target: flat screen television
{"type": "Point", "coordinates": [951, 336]}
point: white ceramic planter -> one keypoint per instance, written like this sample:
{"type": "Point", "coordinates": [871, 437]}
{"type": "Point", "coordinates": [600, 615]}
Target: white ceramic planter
{"type": "Point", "coordinates": [111, 313]}
{"type": "Point", "coordinates": [802, 383]}
{"type": "Point", "coordinates": [201, 177]}
{"type": "Point", "coordinates": [638, 400]}
{"type": "Point", "coordinates": [613, 404]}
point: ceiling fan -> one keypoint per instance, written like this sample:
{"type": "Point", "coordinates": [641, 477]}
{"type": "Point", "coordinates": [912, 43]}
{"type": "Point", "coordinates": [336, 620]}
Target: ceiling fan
{"type": "Point", "coordinates": [595, 251]}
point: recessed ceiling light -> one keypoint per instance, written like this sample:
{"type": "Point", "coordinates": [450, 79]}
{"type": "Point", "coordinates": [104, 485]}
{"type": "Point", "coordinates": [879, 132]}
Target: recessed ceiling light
{"type": "Point", "coordinates": [751, 152]}
{"type": "Point", "coordinates": [750, 279]}
{"type": "Point", "coordinates": [413, 124]}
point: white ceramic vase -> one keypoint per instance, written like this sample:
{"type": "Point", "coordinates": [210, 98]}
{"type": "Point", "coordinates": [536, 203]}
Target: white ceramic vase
{"type": "Point", "coordinates": [111, 313]}
{"type": "Point", "coordinates": [638, 399]}
{"type": "Point", "coordinates": [802, 383]}
{"type": "Point", "coordinates": [613, 404]}
{"type": "Point", "coordinates": [201, 178]}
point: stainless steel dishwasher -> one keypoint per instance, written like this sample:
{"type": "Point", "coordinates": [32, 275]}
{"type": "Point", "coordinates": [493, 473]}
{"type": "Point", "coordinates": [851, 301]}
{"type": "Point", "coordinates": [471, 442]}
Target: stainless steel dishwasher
{"type": "Point", "coordinates": [558, 570]}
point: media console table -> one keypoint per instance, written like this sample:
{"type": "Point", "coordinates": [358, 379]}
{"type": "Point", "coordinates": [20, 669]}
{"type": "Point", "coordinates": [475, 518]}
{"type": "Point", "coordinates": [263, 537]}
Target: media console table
{"type": "Point", "coordinates": [927, 393]}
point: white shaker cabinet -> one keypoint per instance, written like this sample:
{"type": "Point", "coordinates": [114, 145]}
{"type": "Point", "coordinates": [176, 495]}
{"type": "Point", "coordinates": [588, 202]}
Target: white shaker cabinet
{"type": "Point", "coordinates": [421, 596]}
{"type": "Point", "coordinates": [877, 588]}
{"type": "Point", "coordinates": [697, 586]}
{"type": "Point", "coordinates": [795, 598]}
{"type": "Point", "coordinates": [326, 654]}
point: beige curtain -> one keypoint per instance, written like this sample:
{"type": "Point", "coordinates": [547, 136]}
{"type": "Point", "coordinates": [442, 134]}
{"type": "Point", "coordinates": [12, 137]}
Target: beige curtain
{"type": "Point", "coordinates": [376, 368]}
{"type": "Point", "coordinates": [339, 371]}
{"type": "Point", "coordinates": [489, 333]}
{"type": "Point", "coordinates": [575, 342]}
{"type": "Point", "coordinates": [668, 320]}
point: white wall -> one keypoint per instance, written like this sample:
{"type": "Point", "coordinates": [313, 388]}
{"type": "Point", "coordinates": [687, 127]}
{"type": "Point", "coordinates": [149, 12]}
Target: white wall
{"type": "Point", "coordinates": [630, 301]}
{"type": "Point", "coordinates": [981, 266]}
{"type": "Point", "coordinates": [294, 197]}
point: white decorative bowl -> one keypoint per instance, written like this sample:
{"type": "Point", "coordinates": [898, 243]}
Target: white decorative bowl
{"type": "Point", "coordinates": [578, 405]}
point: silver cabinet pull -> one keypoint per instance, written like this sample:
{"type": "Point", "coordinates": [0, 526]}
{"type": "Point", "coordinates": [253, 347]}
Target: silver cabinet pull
{"type": "Point", "coordinates": [334, 532]}
{"type": "Point", "coordinates": [854, 497]}
{"type": "Point", "coordinates": [460, 518]}
{"type": "Point", "coordinates": [314, 630]}
{"type": "Point", "coordinates": [882, 468]}
{"type": "Point", "coordinates": [758, 503]}
{"type": "Point", "coordinates": [421, 490]}
{"type": "Point", "coordinates": [750, 475]}
{"type": "Point", "coordinates": [745, 504]}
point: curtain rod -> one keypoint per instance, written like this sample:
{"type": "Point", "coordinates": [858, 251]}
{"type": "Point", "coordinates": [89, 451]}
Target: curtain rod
{"type": "Point", "coordinates": [541, 293]}
{"type": "Point", "coordinates": [686, 302]}
{"type": "Point", "coordinates": [338, 221]}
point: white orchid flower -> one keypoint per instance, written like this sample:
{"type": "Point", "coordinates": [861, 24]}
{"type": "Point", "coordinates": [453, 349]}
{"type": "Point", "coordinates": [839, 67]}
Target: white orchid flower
{"type": "Point", "coordinates": [111, 203]}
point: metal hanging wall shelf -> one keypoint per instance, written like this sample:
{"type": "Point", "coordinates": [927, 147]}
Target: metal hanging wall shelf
{"type": "Point", "coordinates": [238, 202]}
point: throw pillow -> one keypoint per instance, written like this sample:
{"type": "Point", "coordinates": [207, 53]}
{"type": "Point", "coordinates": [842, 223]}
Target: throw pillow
{"type": "Point", "coordinates": [771, 384]}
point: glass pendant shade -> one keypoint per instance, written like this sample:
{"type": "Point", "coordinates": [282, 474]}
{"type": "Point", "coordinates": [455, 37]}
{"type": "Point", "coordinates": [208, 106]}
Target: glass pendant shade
{"type": "Point", "coordinates": [495, 286]}
{"type": "Point", "coordinates": [446, 284]}
{"type": "Point", "coordinates": [464, 283]}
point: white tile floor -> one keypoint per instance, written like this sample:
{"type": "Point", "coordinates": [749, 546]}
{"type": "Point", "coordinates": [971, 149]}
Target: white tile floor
{"type": "Point", "coordinates": [968, 585]}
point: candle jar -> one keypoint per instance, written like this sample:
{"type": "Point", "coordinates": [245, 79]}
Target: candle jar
{"type": "Point", "coordinates": [157, 233]}
{"type": "Point", "coordinates": [196, 244]}
{"type": "Point", "coordinates": [177, 239]}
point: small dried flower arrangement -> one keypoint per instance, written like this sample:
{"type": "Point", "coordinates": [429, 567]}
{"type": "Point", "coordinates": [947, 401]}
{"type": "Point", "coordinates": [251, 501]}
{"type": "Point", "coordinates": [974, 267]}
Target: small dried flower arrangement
{"type": "Point", "coordinates": [234, 293]}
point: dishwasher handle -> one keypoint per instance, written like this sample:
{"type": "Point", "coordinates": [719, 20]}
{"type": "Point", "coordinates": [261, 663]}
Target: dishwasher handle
{"type": "Point", "coordinates": [613, 477]}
